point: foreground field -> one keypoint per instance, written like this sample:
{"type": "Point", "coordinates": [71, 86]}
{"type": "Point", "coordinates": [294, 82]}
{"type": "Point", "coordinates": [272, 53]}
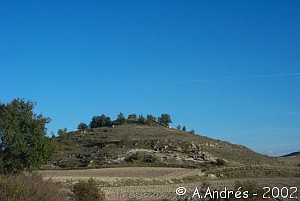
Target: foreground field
{"type": "Point", "coordinates": [117, 174]}
{"type": "Point", "coordinates": [152, 183]}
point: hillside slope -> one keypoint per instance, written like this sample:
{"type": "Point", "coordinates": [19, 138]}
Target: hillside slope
{"type": "Point", "coordinates": [297, 153]}
{"type": "Point", "coordinates": [291, 159]}
{"type": "Point", "coordinates": [142, 145]}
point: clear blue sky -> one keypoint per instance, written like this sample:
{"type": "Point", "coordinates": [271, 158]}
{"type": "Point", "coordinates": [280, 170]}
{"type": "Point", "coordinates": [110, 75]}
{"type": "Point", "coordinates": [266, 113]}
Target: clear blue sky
{"type": "Point", "coordinates": [229, 70]}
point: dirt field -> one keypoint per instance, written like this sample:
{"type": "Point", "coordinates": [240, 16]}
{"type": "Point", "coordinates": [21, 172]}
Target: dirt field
{"type": "Point", "coordinates": [116, 174]}
{"type": "Point", "coordinates": [150, 183]}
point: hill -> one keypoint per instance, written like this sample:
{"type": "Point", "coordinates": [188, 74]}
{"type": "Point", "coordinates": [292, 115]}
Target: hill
{"type": "Point", "coordinates": [143, 145]}
{"type": "Point", "coordinates": [291, 159]}
{"type": "Point", "coordinates": [292, 154]}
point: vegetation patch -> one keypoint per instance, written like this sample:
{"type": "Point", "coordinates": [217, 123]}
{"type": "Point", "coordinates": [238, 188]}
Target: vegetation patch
{"type": "Point", "coordinates": [30, 188]}
{"type": "Point", "coordinates": [88, 191]}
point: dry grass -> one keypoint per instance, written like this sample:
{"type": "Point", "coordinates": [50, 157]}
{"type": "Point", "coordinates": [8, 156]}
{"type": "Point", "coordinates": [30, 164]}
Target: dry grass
{"type": "Point", "coordinates": [30, 188]}
{"type": "Point", "coordinates": [126, 176]}
{"type": "Point", "coordinates": [291, 160]}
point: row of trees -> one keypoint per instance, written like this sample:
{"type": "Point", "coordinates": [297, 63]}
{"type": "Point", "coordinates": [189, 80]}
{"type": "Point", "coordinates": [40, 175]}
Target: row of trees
{"type": "Point", "coordinates": [103, 120]}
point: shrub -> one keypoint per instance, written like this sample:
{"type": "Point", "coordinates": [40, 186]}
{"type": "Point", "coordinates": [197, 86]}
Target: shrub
{"type": "Point", "coordinates": [220, 162]}
{"type": "Point", "coordinates": [141, 157]}
{"type": "Point", "coordinates": [30, 188]}
{"type": "Point", "coordinates": [88, 191]}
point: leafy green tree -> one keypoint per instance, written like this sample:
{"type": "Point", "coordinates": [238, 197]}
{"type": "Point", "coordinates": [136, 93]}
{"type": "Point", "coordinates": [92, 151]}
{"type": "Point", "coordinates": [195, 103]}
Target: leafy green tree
{"type": "Point", "coordinates": [62, 132]}
{"type": "Point", "coordinates": [99, 121]}
{"type": "Point", "coordinates": [142, 119]}
{"type": "Point", "coordinates": [184, 128]}
{"type": "Point", "coordinates": [165, 119]}
{"type": "Point", "coordinates": [82, 126]}
{"type": "Point", "coordinates": [132, 118]}
{"type": "Point", "coordinates": [151, 119]}
{"type": "Point", "coordinates": [23, 141]}
{"type": "Point", "coordinates": [107, 121]}
{"type": "Point", "coordinates": [121, 119]}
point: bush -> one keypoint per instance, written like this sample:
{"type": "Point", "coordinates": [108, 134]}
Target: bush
{"type": "Point", "coordinates": [88, 191]}
{"type": "Point", "coordinates": [30, 188]}
{"type": "Point", "coordinates": [141, 157]}
{"type": "Point", "coordinates": [220, 162]}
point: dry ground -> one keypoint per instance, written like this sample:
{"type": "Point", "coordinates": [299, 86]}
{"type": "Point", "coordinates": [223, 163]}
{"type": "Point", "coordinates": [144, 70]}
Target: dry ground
{"type": "Point", "coordinates": [116, 174]}
{"type": "Point", "coordinates": [152, 183]}
{"type": "Point", "coordinates": [292, 160]}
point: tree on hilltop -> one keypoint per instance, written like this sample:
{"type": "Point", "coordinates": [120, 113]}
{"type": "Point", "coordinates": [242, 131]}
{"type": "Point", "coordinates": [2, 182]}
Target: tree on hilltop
{"type": "Point", "coordinates": [165, 119]}
{"type": "Point", "coordinates": [82, 126]}
{"type": "Point", "coordinates": [62, 132]}
{"type": "Point", "coordinates": [142, 119]}
{"type": "Point", "coordinates": [151, 119]}
{"type": "Point", "coordinates": [132, 118]}
{"type": "Point", "coordinates": [120, 119]}
{"type": "Point", "coordinates": [99, 121]}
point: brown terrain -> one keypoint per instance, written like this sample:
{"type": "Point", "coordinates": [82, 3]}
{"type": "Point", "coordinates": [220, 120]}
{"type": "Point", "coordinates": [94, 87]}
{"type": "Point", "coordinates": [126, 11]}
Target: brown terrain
{"type": "Point", "coordinates": [152, 183]}
{"type": "Point", "coordinates": [141, 162]}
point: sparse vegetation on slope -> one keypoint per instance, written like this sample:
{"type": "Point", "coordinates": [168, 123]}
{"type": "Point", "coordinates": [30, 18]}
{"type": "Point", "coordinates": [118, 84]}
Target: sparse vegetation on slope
{"type": "Point", "coordinates": [144, 145]}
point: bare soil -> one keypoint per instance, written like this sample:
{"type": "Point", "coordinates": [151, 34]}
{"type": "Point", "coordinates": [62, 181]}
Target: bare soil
{"type": "Point", "coordinates": [115, 174]}
{"type": "Point", "coordinates": [161, 187]}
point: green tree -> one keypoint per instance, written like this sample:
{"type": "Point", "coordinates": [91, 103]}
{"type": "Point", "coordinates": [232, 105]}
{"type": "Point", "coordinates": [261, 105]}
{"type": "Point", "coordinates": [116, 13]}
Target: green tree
{"type": "Point", "coordinates": [142, 119]}
{"type": "Point", "coordinates": [151, 119]}
{"type": "Point", "coordinates": [82, 126]}
{"type": "Point", "coordinates": [62, 132]}
{"type": "Point", "coordinates": [120, 119]}
{"type": "Point", "coordinates": [178, 127]}
{"type": "Point", "coordinates": [132, 118]}
{"type": "Point", "coordinates": [165, 119]}
{"type": "Point", "coordinates": [99, 121]}
{"type": "Point", "coordinates": [184, 128]}
{"type": "Point", "coordinates": [23, 141]}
